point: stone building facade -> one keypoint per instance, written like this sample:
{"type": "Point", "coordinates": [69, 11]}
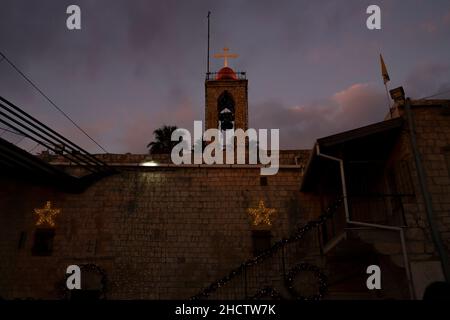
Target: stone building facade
{"type": "Point", "coordinates": [384, 192]}
{"type": "Point", "coordinates": [158, 233]}
{"type": "Point", "coordinates": [175, 232]}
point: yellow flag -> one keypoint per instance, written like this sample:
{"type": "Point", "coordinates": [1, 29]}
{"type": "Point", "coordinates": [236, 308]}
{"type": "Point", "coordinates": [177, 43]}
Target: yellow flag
{"type": "Point", "coordinates": [384, 72]}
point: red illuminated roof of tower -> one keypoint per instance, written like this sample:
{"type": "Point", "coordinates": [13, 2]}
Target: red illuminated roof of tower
{"type": "Point", "coordinates": [226, 73]}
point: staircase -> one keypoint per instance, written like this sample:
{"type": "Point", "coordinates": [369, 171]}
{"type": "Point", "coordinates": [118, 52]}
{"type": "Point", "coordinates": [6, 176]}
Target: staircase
{"type": "Point", "coordinates": [348, 261]}
{"type": "Point", "coordinates": [335, 269]}
{"type": "Point", "coordinates": [275, 272]}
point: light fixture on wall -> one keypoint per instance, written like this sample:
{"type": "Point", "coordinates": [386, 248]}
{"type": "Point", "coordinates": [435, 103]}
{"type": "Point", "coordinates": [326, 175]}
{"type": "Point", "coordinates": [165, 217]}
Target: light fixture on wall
{"type": "Point", "coordinates": [149, 164]}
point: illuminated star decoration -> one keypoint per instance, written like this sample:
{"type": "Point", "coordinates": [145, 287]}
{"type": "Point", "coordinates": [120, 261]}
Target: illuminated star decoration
{"type": "Point", "coordinates": [261, 215]}
{"type": "Point", "coordinates": [46, 215]}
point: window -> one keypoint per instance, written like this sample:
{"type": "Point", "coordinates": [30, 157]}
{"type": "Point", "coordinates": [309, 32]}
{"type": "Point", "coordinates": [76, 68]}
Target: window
{"type": "Point", "coordinates": [225, 108]}
{"type": "Point", "coordinates": [263, 181]}
{"type": "Point", "coordinates": [261, 241]}
{"type": "Point", "coordinates": [43, 242]}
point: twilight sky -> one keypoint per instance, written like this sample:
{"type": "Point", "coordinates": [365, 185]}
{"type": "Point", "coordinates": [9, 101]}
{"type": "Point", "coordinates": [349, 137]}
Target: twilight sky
{"type": "Point", "coordinates": [313, 66]}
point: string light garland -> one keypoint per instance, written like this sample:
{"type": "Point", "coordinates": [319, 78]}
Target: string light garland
{"type": "Point", "coordinates": [267, 292]}
{"type": "Point", "coordinates": [298, 235]}
{"type": "Point", "coordinates": [322, 281]}
{"type": "Point", "coordinates": [66, 293]}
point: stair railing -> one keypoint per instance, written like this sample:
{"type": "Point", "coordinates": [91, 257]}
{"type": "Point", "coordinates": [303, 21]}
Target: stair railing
{"type": "Point", "coordinates": [282, 262]}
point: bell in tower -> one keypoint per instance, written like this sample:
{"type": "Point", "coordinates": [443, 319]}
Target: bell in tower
{"type": "Point", "coordinates": [226, 97]}
{"type": "Point", "coordinates": [225, 105]}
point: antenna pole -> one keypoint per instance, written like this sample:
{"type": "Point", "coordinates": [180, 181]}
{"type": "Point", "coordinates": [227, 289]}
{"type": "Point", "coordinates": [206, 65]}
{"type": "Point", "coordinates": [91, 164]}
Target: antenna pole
{"type": "Point", "coordinates": [207, 62]}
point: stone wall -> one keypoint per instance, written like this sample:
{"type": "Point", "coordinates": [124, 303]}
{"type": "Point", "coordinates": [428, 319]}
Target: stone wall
{"type": "Point", "coordinates": [160, 233]}
{"type": "Point", "coordinates": [433, 135]}
{"type": "Point", "coordinates": [432, 123]}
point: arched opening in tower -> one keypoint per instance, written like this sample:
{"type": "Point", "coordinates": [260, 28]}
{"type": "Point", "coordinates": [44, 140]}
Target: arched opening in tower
{"type": "Point", "coordinates": [225, 109]}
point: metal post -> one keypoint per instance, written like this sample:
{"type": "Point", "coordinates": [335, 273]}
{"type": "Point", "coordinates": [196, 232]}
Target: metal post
{"type": "Point", "coordinates": [207, 62]}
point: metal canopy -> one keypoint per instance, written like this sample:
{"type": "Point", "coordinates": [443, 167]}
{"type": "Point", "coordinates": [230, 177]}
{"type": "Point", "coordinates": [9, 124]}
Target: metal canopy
{"type": "Point", "coordinates": [18, 163]}
{"type": "Point", "coordinates": [370, 143]}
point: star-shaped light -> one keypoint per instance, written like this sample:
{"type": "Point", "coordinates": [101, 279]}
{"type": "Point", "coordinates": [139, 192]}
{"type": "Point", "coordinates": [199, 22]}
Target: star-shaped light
{"type": "Point", "coordinates": [261, 215]}
{"type": "Point", "coordinates": [46, 215]}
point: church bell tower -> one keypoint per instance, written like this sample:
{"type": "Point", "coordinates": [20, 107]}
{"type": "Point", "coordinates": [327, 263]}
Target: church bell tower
{"type": "Point", "coordinates": [226, 97]}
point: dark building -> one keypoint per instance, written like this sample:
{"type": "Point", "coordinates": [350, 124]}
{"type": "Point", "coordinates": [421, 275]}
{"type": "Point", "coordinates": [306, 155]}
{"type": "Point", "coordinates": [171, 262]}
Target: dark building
{"type": "Point", "coordinates": [224, 231]}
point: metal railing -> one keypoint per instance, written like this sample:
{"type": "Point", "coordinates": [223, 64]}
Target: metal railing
{"type": "Point", "coordinates": [383, 209]}
{"type": "Point", "coordinates": [213, 75]}
{"type": "Point", "coordinates": [272, 271]}
{"type": "Point", "coordinates": [333, 227]}
{"type": "Point", "coordinates": [386, 209]}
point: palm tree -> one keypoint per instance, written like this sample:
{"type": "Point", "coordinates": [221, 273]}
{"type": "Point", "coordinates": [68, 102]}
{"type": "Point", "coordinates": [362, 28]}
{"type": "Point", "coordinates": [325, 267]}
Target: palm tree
{"type": "Point", "coordinates": [162, 142]}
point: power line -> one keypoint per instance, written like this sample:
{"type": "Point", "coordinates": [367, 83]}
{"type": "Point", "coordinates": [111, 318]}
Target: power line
{"type": "Point", "coordinates": [436, 94]}
{"type": "Point", "coordinates": [49, 100]}
{"type": "Point", "coordinates": [21, 136]}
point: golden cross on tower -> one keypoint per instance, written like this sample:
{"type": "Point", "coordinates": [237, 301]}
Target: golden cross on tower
{"type": "Point", "coordinates": [261, 215]}
{"type": "Point", "coordinates": [46, 214]}
{"type": "Point", "coordinates": [225, 55]}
